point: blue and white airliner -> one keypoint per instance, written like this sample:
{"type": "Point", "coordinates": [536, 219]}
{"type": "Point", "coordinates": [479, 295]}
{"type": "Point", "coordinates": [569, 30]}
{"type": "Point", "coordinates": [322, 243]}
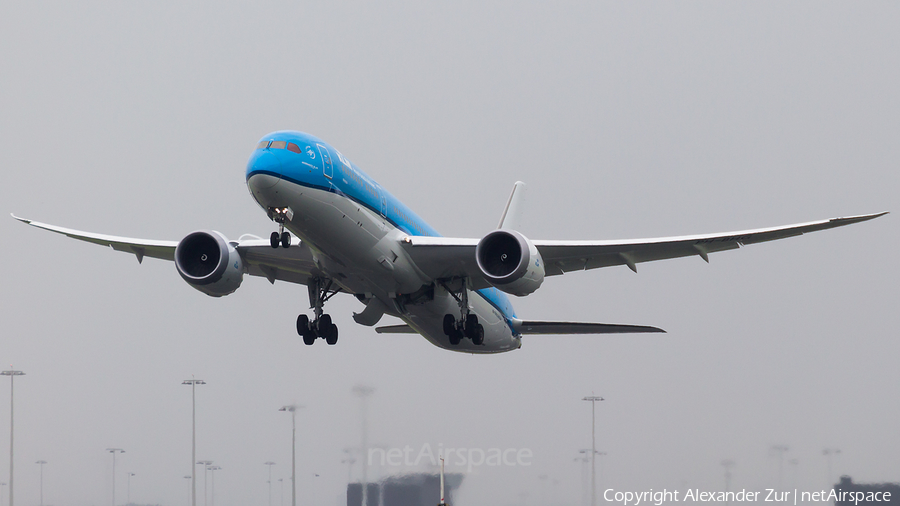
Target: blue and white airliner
{"type": "Point", "coordinates": [339, 231]}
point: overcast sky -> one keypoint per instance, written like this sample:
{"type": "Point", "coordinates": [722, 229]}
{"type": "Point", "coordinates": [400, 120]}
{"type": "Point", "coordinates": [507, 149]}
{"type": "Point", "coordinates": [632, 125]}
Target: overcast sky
{"type": "Point", "coordinates": [626, 119]}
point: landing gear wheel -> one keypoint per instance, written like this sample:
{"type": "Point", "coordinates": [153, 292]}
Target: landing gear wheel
{"type": "Point", "coordinates": [274, 239]}
{"type": "Point", "coordinates": [471, 323]}
{"type": "Point", "coordinates": [302, 324]}
{"type": "Point", "coordinates": [455, 337]}
{"type": "Point", "coordinates": [285, 239]}
{"type": "Point", "coordinates": [478, 335]}
{"type": "Point", "coordinates": [309, 337]}
{"type": "Point", "coordinates": [449, 324]}
{"type": "Point", "coordinates": [332, 336]}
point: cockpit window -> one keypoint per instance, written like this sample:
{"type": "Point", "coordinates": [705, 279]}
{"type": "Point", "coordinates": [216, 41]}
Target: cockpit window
{"type": "Point", "coordinates": [293, 147]}
{"type": "Point", "coordinates": [278, 144]}
{"type": "Point", "coordinates": [262, 145]}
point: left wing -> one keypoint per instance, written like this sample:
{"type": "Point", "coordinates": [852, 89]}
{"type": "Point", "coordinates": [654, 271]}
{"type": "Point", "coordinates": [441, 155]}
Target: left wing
{"type": "Point", "coordinates": [294, 264]}
{"type": "Point", "coordinates": [444, 257]}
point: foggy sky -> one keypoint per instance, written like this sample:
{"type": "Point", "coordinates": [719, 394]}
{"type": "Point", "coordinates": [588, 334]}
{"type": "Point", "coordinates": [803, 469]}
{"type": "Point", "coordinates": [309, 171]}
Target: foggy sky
{"type": "Point", "coordinates": [627, 120]}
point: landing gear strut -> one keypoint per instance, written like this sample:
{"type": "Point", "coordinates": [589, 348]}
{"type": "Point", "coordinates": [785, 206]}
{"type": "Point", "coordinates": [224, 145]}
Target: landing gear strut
{"type": "Point", "coordinates": [319, 292]}
{"type": "Point", "coordinates": [467, 325]}
{"type": "Point", "coordinates": [279, 215]}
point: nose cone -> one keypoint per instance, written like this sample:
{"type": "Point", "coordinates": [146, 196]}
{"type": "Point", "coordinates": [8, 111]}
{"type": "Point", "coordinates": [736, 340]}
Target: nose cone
{"type": "Point", "coordinates": [263, 174]}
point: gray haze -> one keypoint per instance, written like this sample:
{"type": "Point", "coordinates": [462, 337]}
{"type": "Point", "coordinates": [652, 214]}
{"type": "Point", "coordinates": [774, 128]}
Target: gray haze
{"type": "Point", "coordinates": [627, 120]}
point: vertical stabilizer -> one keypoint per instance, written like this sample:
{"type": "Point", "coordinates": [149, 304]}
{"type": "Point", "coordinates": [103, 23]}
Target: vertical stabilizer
{"type": "Point", "coordinates": [512, 215]}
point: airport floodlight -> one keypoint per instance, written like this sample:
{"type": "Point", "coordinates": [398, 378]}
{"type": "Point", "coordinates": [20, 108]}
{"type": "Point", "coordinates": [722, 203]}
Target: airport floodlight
{"type": "Point", "coordinates": [728, 464]}
{"type": "Point", "coordinates": [780, 450]}
{"type": "Point", "coordinates": [193, 382]}
{"type": "Point", "coordinates": [363, 392]}
{"type": "Point", "coordinates": [114, 451]}
{"type": "Point", "coordinates": [12, 374]}
{"type": "Point", "coordinates": [129, 487]}
{"type": "Point", "coordinates": [269, 464]}
{"type": "Point", "coordinates": [41, 463]}
{"type": "Point", "coordinates": [828, 453]}
{"type": "Point", "coordinates": [594, 399]}
{"type": "Point", "coordinates": [212, 474]}
{"type": "Point", "coordinates": [293, 410]}
{"type": "Point", "coordinates": [205, 464]}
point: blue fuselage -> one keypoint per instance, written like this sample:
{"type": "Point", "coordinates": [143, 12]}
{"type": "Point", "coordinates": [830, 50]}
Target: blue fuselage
{"type": "Point", "coordinates": [288, 167]}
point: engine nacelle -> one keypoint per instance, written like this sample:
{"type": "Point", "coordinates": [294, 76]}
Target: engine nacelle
{"type": "Point", "coordinates": [510, 262]}
{"type": "Point", "coordinates": [209, 263]}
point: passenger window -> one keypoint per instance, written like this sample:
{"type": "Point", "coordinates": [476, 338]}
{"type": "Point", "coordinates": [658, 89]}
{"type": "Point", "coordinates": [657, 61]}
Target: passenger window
{"type": "Point", "coordinates": [278, 144]}
{"type": "Point", "coordinates": [293, 147]}
{"type": "Point", "coordinates": [262, 145]}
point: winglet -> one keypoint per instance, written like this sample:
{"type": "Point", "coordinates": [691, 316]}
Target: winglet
{"type": "Point", "coordinates": [23, 220]}
{"type": "Point", "coordinates": [512, 215]}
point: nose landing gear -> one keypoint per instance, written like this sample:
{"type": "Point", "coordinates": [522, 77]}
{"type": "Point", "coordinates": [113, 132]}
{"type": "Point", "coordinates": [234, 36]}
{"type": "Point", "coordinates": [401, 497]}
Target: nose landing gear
{"type": "Point", "coordinates": [321, 326]}
{"type": "Point", "coordinates": [282, 237]}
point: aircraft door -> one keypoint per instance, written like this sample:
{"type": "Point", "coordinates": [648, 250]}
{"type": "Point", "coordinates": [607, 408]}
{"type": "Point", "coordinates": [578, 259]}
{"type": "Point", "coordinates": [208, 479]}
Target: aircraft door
{"type": "Point", "coordinates": [327, 166]}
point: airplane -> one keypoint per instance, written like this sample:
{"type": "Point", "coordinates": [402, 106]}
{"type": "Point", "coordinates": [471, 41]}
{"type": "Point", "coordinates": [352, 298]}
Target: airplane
{"type": "Point", "coordinates": [356, 238]}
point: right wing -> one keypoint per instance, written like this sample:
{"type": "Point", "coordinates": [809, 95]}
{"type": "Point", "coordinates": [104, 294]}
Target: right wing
{"type": "Point", "coordinates": [447, 257]}
{"type": "Point", "coordinates": [293, 265]}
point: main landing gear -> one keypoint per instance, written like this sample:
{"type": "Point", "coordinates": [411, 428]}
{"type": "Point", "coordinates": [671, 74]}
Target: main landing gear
{"type": "Point", "coordinates": [467, 325]}
{"type": "Point", "coordinates": [282, 237]}
{"type": "Point", "coordinates": [319, 292]}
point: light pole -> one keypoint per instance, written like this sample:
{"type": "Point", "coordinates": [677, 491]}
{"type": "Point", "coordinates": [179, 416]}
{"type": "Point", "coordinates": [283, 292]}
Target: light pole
{"type": "Point", "coordinates": [281, 486]}
{"type": "Point", "coordinates": [293, 409]}
{"type": "Point", "coordinates": [190, 495]}
{"type": "Point", "coordinates": [205, 464]}
{"type": "Point", "coordinates": [2, 484]}
{"type": "Point", "coordinates": [269, 464]}
{"type": "Point", "coordinates": [828, 452]}
{"type": "Point", "coordinates": [593, 400]}
{"type": "Point", "coordinates": [780, 450]}
{"type": "Point", "coordinates": [363, 392]}
{"type": "Point", "coordinates": [212, 474]}
{"type": "Point", "coordinates": [114, 451]}
{"type": "Point", "coordinates": [129, 487]}
{"type": "Point", "coordinates": [727, 464]}
{"type": "Point", "coordinates": [41, 463]}
{"type": "Point", "coordinates": [12, 374]}
{"type": "Point", "coordinates": [193, 383]}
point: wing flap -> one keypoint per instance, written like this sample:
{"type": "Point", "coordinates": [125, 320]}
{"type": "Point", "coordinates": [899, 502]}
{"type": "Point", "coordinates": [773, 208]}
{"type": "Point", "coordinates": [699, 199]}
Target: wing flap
{"type": "Point", "coordinates": [526, 327]}
{"type": "Point", "coordinates": [395, 329]}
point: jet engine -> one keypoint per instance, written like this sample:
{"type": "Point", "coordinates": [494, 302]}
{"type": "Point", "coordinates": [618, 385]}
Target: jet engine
{"type": "Point", "coordinates": [209, 263]}
{"type": "Point", "coordinates": [510, 262]}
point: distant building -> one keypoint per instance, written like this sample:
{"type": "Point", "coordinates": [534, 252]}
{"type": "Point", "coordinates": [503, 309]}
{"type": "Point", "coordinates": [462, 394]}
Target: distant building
{"type": "Point", "coordinates": [873, 493]}
{"type": "Point", "coordinates": [406, 490]}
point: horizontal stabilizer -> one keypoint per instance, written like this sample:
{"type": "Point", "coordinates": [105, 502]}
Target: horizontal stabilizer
{"type": "Point", "coordinates": [395, 329]}
{"type": "Point", "coordinates": [565, 328]}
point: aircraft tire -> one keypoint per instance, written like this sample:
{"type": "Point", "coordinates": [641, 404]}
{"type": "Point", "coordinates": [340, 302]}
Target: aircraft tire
{"type": "Point", "coordinates": [478, 335]}
{"type": "Point", "coordinates": [449, 324]}
{"type": "Point", "coordinates": [302, 324]}
{"type": "Point", "coordinates": [455, 337]}
{"type": "Point", "coordinates": [274, 239]}
{"type": "Point", "coordinates": [332, 336]}
{"type": "Point", "coordinates": [471, 325]}
{"type": "Point", "coordinates": [286, 239]}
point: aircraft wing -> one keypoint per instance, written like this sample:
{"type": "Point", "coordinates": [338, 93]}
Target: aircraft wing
{"type": "Point", "coordinates": [293, 265]}
{"type": "Point", "coordinates": [444, 257]}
